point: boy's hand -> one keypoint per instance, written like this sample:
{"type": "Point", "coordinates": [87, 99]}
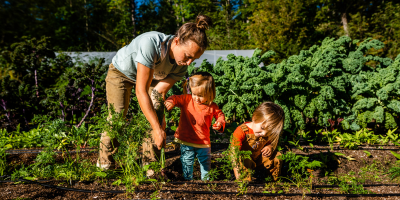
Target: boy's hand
{"type": "Point", "coordinates": [169, 105]}
{"type": "Point", "coordinates": [216, 126]}
{"type": "Point", "coordinates": [266, 151]}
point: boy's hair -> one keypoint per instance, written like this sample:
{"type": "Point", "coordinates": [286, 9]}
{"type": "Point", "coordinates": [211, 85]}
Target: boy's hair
{"type": "Point", "coordinates": [206, 82]}
{"type": "Point", "coordinates": [272, 117]}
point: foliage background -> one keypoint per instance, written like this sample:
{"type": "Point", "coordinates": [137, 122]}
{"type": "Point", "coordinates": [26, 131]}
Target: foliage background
{"type": "Point", "coordinates": [285, 26]}
{"type": "Point", "coordinates": [311, 70]}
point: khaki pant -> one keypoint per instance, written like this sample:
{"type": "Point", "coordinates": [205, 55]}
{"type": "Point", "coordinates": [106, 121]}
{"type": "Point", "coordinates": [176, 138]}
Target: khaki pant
{"type": "Point", "coordinates": [118, 91]}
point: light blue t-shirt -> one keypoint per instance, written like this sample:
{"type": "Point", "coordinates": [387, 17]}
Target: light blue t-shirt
{"type": "Point", "coordinates": [151, 50]}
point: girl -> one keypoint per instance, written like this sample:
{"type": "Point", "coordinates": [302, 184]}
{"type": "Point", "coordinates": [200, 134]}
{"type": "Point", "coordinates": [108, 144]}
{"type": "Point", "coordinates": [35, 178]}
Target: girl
{"type": "Point", "coordinates": [152, 61]}
{"type": "Point", "coordinates": [260, 136]}
{"type": "Point", "coordinates": [193, 133]}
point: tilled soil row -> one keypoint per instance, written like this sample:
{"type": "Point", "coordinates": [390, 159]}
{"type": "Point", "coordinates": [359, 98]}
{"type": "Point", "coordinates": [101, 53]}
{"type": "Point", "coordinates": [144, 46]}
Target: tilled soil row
{"type": "Point", "coordinates": [339, 166]}
{"type": "Point", "coordinates": [170, 191]}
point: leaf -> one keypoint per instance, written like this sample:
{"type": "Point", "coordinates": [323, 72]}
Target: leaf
{"type": "Point", "coordinates": [173, 128]}
{"type": "Point", "coordinates": [336, 158]}
{"type": "Point", "coordinates": [350, 158]}
{"type": "Point", "coordinates": [339, 154]}
{"type": "Point", "coordinates": [395, 154]}
{"type": "Point", "coordinates": [30, 178]}
{"type": "Point", "coordinates": [117, 182]}
{"type": "Point", "coordinates": [368, 153]}
{"type": "Point", "coordinates": [146, 167]}
{"type": "Point", "coordinates": [86, 91]}
{"type": "Point", "coordinates": [101, 174]}
{"type": "Point", "coordinates": [311, 145]}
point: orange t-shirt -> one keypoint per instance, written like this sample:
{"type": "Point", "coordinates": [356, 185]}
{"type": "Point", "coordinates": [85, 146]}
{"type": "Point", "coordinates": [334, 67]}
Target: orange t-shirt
{"type": "Point", "coordinates": [239, 135]}
{"type": "Point", "coordinates": [195, 119]}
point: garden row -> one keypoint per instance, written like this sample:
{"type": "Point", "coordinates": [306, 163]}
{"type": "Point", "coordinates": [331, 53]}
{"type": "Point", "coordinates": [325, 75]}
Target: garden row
{"type": "Point", "coordinates": [342, 81]}
{"type": "Point", "coordinates": [302, 170]}
{"type": "Point", "coordinates": [314, 174]}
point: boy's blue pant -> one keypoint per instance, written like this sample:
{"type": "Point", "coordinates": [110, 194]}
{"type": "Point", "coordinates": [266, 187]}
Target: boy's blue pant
{"type": "Point", "coordinates": [187, 159]}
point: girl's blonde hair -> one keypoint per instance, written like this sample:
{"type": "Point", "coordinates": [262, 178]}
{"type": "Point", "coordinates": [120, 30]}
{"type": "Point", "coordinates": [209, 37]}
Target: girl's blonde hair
{"type": "Point", "coordinates": [205, 81]}
{"type": "Point", "coordinates": [272, 117]}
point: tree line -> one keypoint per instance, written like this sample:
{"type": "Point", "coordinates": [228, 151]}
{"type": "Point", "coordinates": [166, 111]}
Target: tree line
{"type": "Point", "coordinates": [284, 26]}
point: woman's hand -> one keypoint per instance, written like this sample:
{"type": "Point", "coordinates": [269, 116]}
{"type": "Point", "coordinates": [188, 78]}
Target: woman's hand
{"type": "Point", "coordinates": [217, 126]}
{"type": "Point", "coordinates": [169, 105]}
{"type": "Point", "coordinates": [266, 151]}
{"type": "Point", "coordinates": [159, 138]}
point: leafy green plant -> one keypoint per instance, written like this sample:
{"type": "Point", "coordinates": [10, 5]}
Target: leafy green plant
{"type": "Point", "coordinates": [349, 184]}
{"type": "Point", "coordinates": [372, 172]}
{"type": "Point", "coordinates": [392, 135]}
{"type": "Point", "coordinates": [29, 67]}
{"type": "Point", "coordinates": [394, 172]}
{"type": "Point", "coordinates": [296, 144]}
{"type": "Point", "coordinates": [271, 186]}
{"type": "Point", "coordinates": [367, 153]}
{"type": "Point", "coordinates": [81, 136]}
{"type": "Point", "coordinates": [212, 187]}
{"type": "Point", "coordinates": [242, 186]}
{"type": "Point", "coordinates": [330, 136]}
{"type": "Point", "coordinates": [395, 154]}
{"type": "Point", "coordinates": [352, 141]}
{"type": "Point", "coordinates": [213, 174]}
{"type": "Point", "coordinates": [300, 170]}
{"type": "Point", "coordinates": [349, 158]}
{"type": "Point", "coordinates": [308, 137]}
{"type": "Point", "coordinates": [232, 158]}
{"type": "Point", "coordinates": [3, 161]}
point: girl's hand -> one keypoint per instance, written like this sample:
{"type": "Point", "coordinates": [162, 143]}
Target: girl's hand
{"type": "Point", "coordinates": [216, 126]}
{"type": "Point", "coordinates": [169, 105]}
{"type": "Point", "coordinates": [266, 151]}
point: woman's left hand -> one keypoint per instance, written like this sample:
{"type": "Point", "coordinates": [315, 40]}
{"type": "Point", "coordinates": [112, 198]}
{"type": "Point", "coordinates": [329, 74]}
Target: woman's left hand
{"type": "Point", "coordinates": [217, 126]}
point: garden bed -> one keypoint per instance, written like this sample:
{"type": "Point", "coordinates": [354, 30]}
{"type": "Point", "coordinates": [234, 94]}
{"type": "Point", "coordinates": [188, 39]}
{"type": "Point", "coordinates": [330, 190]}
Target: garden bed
{"type": "Point", "coordinates": [367, 171]}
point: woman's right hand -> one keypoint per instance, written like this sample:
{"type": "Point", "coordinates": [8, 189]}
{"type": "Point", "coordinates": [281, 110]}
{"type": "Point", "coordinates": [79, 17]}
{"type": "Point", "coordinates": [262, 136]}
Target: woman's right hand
{"type": "Point", "coordinates": [169, 105]}
{"type": "Point", "coordinates": [159, 138]}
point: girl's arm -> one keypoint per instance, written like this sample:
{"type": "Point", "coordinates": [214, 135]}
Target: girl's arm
{"type": "Point", "coordinates": [175, 100]}
{"type": "Point", "coordinates": [220, 120]}
{"type": "Point", "coordinates": [143, 80]}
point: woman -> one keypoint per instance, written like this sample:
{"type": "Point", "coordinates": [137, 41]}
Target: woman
{"type": "Point", "coordinates": [152, 61]}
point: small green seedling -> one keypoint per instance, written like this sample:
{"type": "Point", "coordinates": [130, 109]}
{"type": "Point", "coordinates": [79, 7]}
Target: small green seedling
{"type": "Point", "coordinates": [368, 154]}
{"type": "Point", "coordinates": [117, 182]}
{"type": "Point", "coordinates": [394, 172]}
{"type": "Point", "coordinates": [349, 158]}
{"type": "Point", "coordinates": [395, 155]}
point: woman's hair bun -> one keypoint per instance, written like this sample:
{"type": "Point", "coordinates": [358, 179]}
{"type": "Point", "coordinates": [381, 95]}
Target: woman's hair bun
{"type": "Point", "coordinates": [203, 22]}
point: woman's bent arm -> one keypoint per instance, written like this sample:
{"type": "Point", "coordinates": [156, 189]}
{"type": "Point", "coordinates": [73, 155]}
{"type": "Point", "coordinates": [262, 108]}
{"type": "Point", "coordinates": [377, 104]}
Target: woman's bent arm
{"type": "Point", "coordinates": [143, 80]}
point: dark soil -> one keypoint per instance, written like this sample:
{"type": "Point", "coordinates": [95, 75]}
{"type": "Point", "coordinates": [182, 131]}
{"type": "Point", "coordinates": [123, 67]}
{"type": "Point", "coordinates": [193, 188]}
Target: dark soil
{"type": "Point", "coordinates": [363, 167]}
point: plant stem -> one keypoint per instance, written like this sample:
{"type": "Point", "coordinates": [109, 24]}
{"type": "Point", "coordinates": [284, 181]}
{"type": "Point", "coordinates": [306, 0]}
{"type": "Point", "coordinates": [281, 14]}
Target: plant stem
{"type": "Point", "coordinates": [36, 84]}
{"type": "Point", "coordinates": [90, 106]}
